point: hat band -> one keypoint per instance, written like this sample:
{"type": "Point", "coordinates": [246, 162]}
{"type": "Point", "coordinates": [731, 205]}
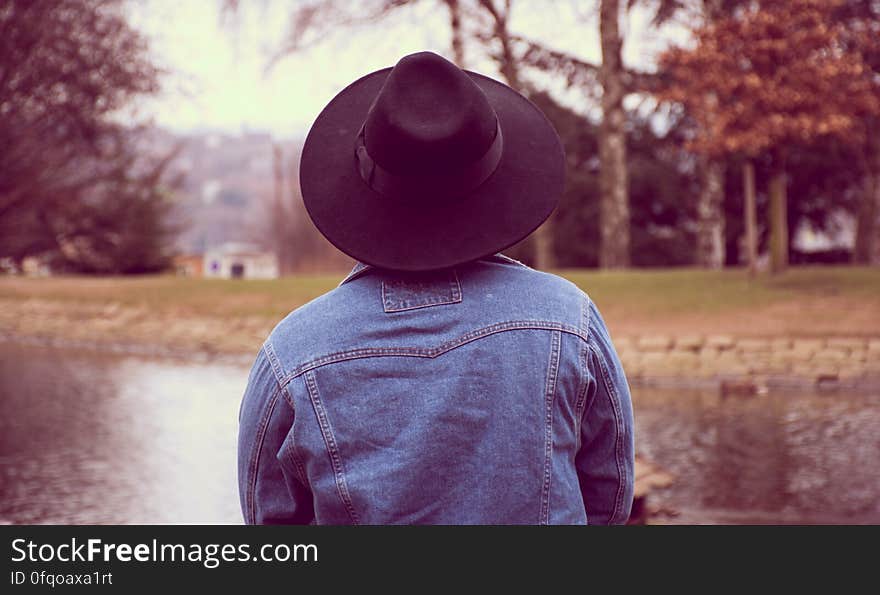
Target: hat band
{"type": "Point", "coordinates": [452, 184]}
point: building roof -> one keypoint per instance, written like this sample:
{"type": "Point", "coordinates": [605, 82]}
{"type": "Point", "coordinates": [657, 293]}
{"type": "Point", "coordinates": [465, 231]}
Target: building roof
{"type": "Point", "coordinates": [238, 249]}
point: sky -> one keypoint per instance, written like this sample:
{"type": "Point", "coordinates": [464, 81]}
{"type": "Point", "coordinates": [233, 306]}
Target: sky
{"type": "Point", "coordinates": [219, 77]}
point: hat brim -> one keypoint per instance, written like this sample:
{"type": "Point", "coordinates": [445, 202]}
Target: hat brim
{"type": "Point", "coordinates": [412, 236]}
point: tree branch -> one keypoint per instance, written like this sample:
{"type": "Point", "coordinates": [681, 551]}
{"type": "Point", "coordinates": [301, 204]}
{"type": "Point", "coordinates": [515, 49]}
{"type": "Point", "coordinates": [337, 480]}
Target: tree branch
{"type": "Point", "coordinates": [578, 72]}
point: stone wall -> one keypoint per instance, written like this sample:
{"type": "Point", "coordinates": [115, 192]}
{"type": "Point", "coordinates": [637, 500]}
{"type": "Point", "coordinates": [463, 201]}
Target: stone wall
{"type": "Point", "coordinates": [752, 362]}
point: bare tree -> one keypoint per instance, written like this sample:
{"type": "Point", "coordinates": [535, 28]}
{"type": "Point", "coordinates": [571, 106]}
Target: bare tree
{"type": "Point", "coordinates": [455, 28]}
{"type": "Point", "coordinates": [490, 27]}
{"type": "Point", "coordinates": [509, 66]}
{"type": "Point", "coordinates": [710, 202]}
{"type": "Point", "coordinates": [750, 217]}
{"type": "Point", "coordinates": [282, 226]}
{"type": "Point", "coordinates": [867, 245]}
{"type": "Point", "coordinates": [488, 23]}
{"type": "Point", "coordinates": [614, 199]}
{"type": "Point", "coordinates": [72, 181]}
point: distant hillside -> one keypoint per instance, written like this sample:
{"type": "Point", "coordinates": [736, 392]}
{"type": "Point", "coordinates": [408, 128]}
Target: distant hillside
{"type": "Point", "coordinates": [228, 180]}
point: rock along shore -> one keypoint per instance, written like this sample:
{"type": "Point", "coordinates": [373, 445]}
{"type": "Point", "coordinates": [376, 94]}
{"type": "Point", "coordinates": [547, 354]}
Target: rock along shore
{"type": "Point", "coordinates": [733, 364]}
{"type": "Point", "coordinates": [751, 364]}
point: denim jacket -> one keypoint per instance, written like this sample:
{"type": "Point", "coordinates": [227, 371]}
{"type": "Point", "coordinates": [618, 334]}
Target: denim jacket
{"type": "Point", "coordinates": [486, 394]}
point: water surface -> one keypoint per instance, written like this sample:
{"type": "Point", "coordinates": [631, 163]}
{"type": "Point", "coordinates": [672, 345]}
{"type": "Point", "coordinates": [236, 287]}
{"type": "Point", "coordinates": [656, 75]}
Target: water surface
{"type": "Point", "coordinates": [805, 458]}
{"type": "Point", "coordinates": [95, 438]}
{"type": "Point", "coordinates": [89, 437]}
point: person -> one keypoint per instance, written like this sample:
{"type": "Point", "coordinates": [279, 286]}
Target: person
{"type": "Point", "coordinates": [441, 382]}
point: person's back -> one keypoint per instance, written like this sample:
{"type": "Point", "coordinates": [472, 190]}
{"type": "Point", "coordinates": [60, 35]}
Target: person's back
{"type": "Point", "coordinates": [443, 383]}
{"type": "Point", "coordinates": [487, 393]}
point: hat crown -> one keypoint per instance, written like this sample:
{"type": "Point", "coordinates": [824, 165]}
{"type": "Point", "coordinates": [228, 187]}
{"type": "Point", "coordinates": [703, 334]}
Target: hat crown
{"type": "Point", "coordinates": [428, 118]}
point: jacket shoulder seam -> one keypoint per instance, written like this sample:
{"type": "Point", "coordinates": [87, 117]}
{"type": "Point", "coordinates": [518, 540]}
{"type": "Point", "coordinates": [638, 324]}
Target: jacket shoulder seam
{"type": "Point", "coordinates": [430, 352]}
{"type": "Point", "coordinates": [583, 366]}
{"type": "Point", "coordinates": [274, 362]}
{"type": "Point", "coordinates": [619, 431]}
{"type": "Point", "coordinates": [332, 447]}
{"type": "Point", "coordinates": [258, 451]}
{"type": "Point", "coordinates": [549, 400]}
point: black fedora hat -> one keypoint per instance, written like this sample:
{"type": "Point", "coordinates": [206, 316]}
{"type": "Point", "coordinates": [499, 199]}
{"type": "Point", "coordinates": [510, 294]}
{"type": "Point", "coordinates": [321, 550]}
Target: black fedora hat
{"type": "Point", "coordinates": [424, 166]}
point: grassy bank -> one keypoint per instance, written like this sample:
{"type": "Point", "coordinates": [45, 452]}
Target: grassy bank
{"type": "Point", "coordinates": [234, 316]}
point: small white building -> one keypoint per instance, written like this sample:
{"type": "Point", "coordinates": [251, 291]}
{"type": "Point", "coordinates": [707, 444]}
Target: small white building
{"type": "Point", "coordinates": [240, 261]}
{"type": "Point", "coordinates": [840, 236]}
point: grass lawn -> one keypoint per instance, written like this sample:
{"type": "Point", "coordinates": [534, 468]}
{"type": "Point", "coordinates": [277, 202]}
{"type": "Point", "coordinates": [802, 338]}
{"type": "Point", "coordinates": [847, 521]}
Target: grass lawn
{"type": "Point", "coordinates": [236, 315]}
{"type": "Point", "coordinates": [805, 301]}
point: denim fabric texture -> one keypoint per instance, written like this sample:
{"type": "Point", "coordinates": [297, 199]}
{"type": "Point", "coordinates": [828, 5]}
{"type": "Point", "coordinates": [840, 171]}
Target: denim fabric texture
{"type": "Point", "coordinates": [487, 394]}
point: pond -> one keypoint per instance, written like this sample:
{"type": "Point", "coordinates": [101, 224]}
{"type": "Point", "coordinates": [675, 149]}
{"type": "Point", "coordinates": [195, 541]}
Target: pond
{"type": "Point", "coordinates": [89, 437]}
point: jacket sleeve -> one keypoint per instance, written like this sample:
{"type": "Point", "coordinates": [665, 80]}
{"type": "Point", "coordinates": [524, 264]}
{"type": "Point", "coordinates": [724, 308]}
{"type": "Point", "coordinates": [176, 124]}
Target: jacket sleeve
{"type": "Point", "coordinates": [605, 461]}
{"type": "Point", "coordinates": [270, 491]}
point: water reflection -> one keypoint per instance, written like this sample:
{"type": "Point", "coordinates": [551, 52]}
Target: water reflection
{"type": "Point", "coordinates": [98, 438]}
{"type": "Point", "coordinates": [778, 458]}
{"type": "Point", "coordinates": [89, 438]}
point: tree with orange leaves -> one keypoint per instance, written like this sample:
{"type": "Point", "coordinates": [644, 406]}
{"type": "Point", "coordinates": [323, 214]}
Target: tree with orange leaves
{"type": "Point", "coordinates": [775, 74]}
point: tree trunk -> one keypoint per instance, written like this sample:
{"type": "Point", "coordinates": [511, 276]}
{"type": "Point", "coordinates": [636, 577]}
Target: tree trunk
{"type": "Point", "coordinates": [710, 211]}
{"type": "Point", "coordinates": [866, 249]}
{"type": "Point", "coordinates": [542, 239]}
{"type": "Point", "coordinates": [614, 198]}
{"type": "Point", "coordinates": [750, 215]}
{"type": "Point", "coordinates": [279, 245]}
{"type": "Point", "coordinates": [455, 29]}
{"type": "Point", "coordinates": [542, 244]}
{"type": "Point", "coordinates": [778, 221]}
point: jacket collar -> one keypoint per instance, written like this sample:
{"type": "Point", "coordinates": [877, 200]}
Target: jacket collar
{"type": "Point", "coordinates": [361, 268]}
{"type": "Point", "coordinates": [358, 270]}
